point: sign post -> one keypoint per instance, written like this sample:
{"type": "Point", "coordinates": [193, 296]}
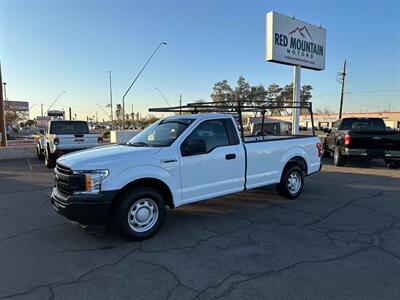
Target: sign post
{"type": "Point", "coordinates": [296, 100]}
{"type": "Point", "coordinates": [293, 42]}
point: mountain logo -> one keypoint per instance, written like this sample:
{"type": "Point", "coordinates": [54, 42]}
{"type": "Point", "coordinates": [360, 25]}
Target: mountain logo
{"type": "Point", "coordinates": [301, 32]}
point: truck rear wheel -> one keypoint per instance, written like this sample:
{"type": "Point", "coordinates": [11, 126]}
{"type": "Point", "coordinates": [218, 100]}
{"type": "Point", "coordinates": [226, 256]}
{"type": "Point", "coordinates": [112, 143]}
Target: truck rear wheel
{"type": "Point", "coordinates": [49, 159]}
{"type": "Point", "coordinates": [140, 213]}
{"type": "Point", "coordinates": [39, 154]}
{"type": "Point", "coordinates": [292, 182]}
{"type": "Point", "coordinates": [338, 158]}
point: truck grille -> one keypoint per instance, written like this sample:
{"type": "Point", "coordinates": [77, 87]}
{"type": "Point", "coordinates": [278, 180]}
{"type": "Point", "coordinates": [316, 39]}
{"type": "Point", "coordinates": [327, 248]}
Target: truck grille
{"type": "Point", "coordinates": [66, 181]}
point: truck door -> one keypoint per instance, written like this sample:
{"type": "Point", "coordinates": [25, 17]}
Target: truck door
{"type": "Point", "coordinates": [209, 161]}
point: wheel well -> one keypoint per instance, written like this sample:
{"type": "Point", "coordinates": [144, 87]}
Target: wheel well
{"type": "Point", "coordinates": [156, 184]}
{"type": "Point", "coordinates": [298, 160]}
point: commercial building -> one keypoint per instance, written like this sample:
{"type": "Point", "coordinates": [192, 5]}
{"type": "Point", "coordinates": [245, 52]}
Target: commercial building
{"type": "Point", "coordinates": [392, 119]}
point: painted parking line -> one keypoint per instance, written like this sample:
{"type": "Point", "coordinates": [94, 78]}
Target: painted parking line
{"type": "Point", "coordinates": [29, 164]}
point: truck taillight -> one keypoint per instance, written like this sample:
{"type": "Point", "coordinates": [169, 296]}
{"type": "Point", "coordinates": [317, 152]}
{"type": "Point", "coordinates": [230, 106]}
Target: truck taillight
{"type": "Point", "coordinates": [347, 139]}
{"type": "Point", "coordinates": [56, 141]}
{"type": "Point", "coordinates": [99, 139]}
{"type": "Point", "coordinates": [319, 147]}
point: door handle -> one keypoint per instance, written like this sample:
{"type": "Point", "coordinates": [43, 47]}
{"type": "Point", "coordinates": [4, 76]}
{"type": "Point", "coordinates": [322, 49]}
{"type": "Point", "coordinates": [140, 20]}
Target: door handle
{"type": "Point", "coordinates": [230, 156]}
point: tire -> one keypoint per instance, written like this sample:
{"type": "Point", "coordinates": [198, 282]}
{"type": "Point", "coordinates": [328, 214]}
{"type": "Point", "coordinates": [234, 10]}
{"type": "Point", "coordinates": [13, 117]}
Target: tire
{"type": "Point", "coordinates": [49, 159]}
{"type": "Point", "coordinates": [392, 164]}
{"type": "Point", "coordinates": [288, 187]}
{"type": "Point", "coordinates": [39, 154]}
{"type": "Point", "coordinates": [136, 204]}
{"type": "Point", "coordinates": [326, 153]}
{"type": "Point", "coordinates": [339, 159]}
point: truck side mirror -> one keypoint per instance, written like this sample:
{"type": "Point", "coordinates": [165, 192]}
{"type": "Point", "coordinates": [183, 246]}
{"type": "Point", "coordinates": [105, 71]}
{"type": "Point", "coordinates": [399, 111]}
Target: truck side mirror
{"type": "Point", "coordinates": [194, 146]}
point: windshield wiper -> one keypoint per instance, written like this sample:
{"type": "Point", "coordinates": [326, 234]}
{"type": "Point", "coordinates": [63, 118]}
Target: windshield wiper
{"type": "Point", "coordinates": [138, 144]}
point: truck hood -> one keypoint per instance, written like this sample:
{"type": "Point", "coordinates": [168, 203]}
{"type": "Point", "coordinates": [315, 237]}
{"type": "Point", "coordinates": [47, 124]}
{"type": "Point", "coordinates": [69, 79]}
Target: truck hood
{"type": "Point", "coordinates": [105, 156]}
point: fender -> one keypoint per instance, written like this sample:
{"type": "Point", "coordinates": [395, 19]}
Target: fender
{"type": "Point", "coordinates": [293, 152]}
{"type": "Point", "coordinates": [119, 180]}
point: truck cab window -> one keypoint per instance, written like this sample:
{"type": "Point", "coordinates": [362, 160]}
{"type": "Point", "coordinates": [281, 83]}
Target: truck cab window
{"type": "Point", "coordinates": [209, 134]}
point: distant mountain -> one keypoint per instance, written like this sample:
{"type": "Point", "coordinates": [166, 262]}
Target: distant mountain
{"type": "Point", "coordinates": [301, 32]}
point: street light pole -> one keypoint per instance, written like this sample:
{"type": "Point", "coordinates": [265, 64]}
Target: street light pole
{"type": "Point", "coordinates": [5, 92]}
{"type": "Point", "coordinates": [133, 82]}
{"type": "Point", "coordinates": [54, 102]}
{"type": "Point", "coordinates": [162, 95]}
{"type": "Point", "coordinates": [112, 117]}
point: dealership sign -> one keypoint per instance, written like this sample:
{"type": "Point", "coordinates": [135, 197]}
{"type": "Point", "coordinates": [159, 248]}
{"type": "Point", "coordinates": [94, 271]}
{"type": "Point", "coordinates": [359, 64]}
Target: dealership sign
{"type": "Point", "coordinates": [16, 105]}
{"type": "Point", "coordinates": [294, 42]}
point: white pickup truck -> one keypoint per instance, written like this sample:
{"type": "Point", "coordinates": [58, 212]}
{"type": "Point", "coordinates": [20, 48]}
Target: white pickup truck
{"type": "Point", "coordinates": [64, 137]}
{"type": "Point", "coordinates": [175, 161]}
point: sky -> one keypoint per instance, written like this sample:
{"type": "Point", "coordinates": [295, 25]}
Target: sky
{"type": "Point", "coordinates": [47, 47]}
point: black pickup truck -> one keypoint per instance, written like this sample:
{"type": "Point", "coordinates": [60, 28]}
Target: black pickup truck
{"type": "Point", "coordinates": [362, 137]}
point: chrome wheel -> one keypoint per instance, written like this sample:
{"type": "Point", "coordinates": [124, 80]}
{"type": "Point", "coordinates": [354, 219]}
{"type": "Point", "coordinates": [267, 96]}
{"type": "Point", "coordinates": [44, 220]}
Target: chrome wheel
{"type": "Point", "coordinates": [142, 215]}
{"type": "Point", "coordinates": [294, 182]}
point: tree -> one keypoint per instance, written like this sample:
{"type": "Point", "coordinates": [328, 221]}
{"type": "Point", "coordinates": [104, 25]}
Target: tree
{"type": "Point", "coordinates": [277, 96]}
{"type": "Point", "coordinates": [242, 90]}
{"type": "Point", "coordinates": [222, 92]}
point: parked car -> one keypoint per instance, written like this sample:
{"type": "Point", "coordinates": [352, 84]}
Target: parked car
{"type": "Point", "coordinates": [63, 137]}
{"type": "Point", "coordinates": [363, 137]}
{"type": "Point", "coordinates": [177, 160]}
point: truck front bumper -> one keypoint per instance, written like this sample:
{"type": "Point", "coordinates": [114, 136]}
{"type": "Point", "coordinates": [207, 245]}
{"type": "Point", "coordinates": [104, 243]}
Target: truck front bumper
{"type": "Point", "coordinates": [372, 153]}
{"type": "Point", "coordinates": [85, 209]}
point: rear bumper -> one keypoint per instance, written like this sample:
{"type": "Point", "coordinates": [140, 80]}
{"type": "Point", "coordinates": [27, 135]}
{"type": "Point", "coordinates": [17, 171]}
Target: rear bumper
{"type": "Point", "coordinates": [85, 209]}
{"type": "Point", "coordinates": [372, 153]}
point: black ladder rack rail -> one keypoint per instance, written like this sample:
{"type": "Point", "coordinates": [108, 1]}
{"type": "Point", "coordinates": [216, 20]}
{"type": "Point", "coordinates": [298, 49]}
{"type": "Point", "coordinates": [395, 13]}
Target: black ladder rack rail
{"type": "Point", "coordinates": [237, 107]}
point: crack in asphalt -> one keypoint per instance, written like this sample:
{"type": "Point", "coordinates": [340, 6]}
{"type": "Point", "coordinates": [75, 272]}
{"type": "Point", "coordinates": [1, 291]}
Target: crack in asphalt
{"type": "Point", "coordinates": [79, 279]}
{"type": "Point", "coordinates": [175, 276]}
{"type": "Point", "coordinates": [347, 204]}
{"type": "Point", "coordinates": [31, 231]}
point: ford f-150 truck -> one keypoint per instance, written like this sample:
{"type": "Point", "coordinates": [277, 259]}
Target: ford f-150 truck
{"type": "Point", "coordinates": [64, 137]}
{"type": "Point", "coordinates": [175, 161]}
{"type": "Point", "coordinates": [363, 137]}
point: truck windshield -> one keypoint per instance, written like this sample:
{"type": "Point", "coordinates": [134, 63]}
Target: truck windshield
{"type": "Point", "coordinates": [363, 124]}
{"type": "Point", "coordinates": [68, 127]}
{"type": "Point", "coordinates": [160, 134]}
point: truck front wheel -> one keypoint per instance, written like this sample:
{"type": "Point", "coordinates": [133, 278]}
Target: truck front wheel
{"type": "Point", "coordinates": [292, 182]}
{"type": "Point", "coordinates": [140, 213]}
{"type": "Point", "coordinates": [338, 158]}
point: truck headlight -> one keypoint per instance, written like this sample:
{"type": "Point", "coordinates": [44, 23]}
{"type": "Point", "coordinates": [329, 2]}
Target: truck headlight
{"type": "Point", "coordinates": [93, 181]}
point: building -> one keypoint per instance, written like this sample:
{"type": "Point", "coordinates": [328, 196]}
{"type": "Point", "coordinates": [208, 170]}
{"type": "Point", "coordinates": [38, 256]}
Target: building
{"type": "Point", "coordinates": [392, 119]}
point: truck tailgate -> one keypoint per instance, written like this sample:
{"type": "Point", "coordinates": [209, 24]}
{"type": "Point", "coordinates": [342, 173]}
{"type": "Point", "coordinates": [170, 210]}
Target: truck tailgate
{"type": "Point", "coordinates": [389, 141]}
{"type": "Point", "coordinates": [77, 141]}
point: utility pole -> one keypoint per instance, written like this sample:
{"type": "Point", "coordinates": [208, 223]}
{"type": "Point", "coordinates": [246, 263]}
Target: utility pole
{"type": "Point", "coordinates": [112, 114]}
{"type": "Point", "coordinates": [3, 130]}
{"type": "Point", "coordinates": [41, 109]}
{"type": "Point", "coordinates": [70, 114]}
{"type": "Point", "coordinates": [180, 104]}
{"type": "Point", "coordinates": [97, 119]}
{"type": "Point", "coordinates": [342, 76]}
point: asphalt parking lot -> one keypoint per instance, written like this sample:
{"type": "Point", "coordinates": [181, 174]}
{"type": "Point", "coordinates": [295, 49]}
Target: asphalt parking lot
{"type": "Point", "coordinates": [339, 240]}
